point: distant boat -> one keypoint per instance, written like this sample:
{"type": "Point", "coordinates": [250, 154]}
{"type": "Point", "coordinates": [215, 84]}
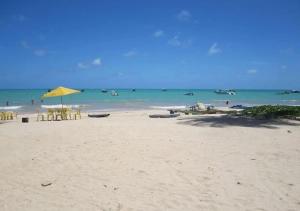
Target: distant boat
{"type": "Point", "coordinates": [82, 90]}
{"type": "Point", "coordinates": [240, 107]}
{"type": "Point", "coordinates": [289, 92]}
{"type": "Point", "coordinates": [164, 90]}
{"type": "Point", "coordinates": [133, 90]}
{"type": "Point", "coordinates": [104, 91]}
{"type": "Point", "coordinates": [231, 92]}
{"type": "Point", "coordinates": [114, 93]}
{"type": "Point", "coordinates": [225, 91]}
{"type": "Point", "coordinates": [189, 94]}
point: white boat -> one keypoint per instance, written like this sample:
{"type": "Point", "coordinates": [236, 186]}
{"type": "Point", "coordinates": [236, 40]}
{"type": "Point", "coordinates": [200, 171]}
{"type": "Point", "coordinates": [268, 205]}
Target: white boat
{"type": "Point", "coordinates": [225, 91]}
{"type": "Point", "coordinates": [289, 92]}
{"type": "Point", "coordinates": [114, 93]}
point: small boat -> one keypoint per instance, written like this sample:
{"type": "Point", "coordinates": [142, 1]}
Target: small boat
{"type": "Point", "coordinates": [82, 90]}
{"type": "Point", "coordinates": [104, 91]}
{"type": "Point", "coordinates": [133, 90]}
{"type": "Point", "coordinates": [225, 91]}
{"type": "Point", "coordinates": [189, 94]}
{"type": "Point", "coordinates": [98, 115]}
{"type": "Point", "coordinates": [239, 107]}
{"type": "Point", "coordinates": [164, 90]}
{"type": "Point", "coordinates": [163, 115]}
{"type": "Point", "coordinates": [114, 93]}
{"type": "Point", "coordinates": [219, 91]}
{"type": "Point", "coordinates": [289, 92]}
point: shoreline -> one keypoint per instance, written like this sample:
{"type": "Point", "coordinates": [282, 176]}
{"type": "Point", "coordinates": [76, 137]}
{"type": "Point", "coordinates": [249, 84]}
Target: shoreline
{"type": "Point", "coordinates": [88, 108]}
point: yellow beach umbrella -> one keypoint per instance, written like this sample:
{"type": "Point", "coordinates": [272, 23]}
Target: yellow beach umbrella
{"type": "Point", "coordinates": [59, 92]}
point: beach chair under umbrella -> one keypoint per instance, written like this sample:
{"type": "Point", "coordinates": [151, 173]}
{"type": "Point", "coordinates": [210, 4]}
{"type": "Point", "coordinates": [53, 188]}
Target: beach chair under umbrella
{"type": "Point", "coordinates": [60, 92]}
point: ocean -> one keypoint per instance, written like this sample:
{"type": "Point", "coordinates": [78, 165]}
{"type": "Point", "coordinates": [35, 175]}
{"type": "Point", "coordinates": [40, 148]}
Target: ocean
{"type": "Point", "coordinates": [94, 99]}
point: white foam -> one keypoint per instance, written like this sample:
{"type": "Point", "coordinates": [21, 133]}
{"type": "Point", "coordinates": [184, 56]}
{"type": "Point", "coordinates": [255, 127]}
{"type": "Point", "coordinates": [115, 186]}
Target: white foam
{"type": "Point", "coordinates": [10, 107]}
{"type": "Point", "coordinates": [168, 107]}
{"type": "Point", "coordinates": [60, 105]}
{"type": "Point", "coordinates": [290, 100]}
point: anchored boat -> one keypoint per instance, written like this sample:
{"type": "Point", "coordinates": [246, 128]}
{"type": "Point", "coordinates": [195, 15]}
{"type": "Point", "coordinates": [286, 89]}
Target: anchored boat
{"type": "Point", "coordinates": [225, 91]}
{"type": "Point", "coordinates": [289, 92]}
{"type": "Point", "coordinates": [189, 94]}
{"type": "Point", "coordinates": [114, 93]}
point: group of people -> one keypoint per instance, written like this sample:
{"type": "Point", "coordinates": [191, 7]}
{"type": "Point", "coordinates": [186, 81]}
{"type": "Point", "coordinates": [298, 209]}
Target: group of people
{"type": "Point", "coordinates": [32, 102]}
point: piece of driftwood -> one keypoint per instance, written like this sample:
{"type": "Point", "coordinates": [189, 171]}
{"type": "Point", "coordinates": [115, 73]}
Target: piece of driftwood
{"type": "Point", "coordinates": [163, 115]}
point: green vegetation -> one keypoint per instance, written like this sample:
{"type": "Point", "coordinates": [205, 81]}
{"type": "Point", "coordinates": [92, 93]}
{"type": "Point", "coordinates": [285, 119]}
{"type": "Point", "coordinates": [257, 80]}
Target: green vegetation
{"type": "Point", "coordinates": [272, 112]}
{"type": "Point", "coordinates": [258, 112]}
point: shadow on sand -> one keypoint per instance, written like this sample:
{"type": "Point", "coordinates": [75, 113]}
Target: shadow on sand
{"type": "Point", "coordinates": [227, 121]}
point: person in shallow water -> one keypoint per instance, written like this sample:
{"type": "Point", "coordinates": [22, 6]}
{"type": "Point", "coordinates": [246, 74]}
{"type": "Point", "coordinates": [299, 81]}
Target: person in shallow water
{"type": "Point", "coordinates": [32, 102]}
{"type": "Point", "coordinates": [7, 103]}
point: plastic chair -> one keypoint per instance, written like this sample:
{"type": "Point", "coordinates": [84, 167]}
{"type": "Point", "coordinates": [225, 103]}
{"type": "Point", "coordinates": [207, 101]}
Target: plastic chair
{"type": "Point", "coordinates": [50, 114]}
{"type": "Point", "coordinates": [77, 114]}
{"type": "Point", "coordinates": [40, 115]}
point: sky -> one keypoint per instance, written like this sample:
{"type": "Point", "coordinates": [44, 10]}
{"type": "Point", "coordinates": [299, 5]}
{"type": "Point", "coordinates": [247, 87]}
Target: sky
{"type": "Point", "coordinates": [249, 44]}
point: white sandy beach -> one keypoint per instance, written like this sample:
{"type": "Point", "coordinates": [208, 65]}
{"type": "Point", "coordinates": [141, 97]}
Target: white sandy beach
{"type": "Point", "coordinates": [131, 162]}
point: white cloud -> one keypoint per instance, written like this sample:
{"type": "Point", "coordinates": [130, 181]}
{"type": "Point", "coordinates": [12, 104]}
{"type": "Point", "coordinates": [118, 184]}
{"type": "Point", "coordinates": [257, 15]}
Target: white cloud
{"type": "Point", "coordinates": [283, 67]}
{"type": "Point", "coordinates": [187, 43]}
{"type": "Point", "coordinates": [97, 62]}
{"type": "Point", "coordinates": [42, 37]}
{"type": "Point", "coordinates": [39, 52]}
{"type": "Point", "coordinates": [175, 41]}
{"type": "Point", "coordinates": [184, 15]}
{"type": "Point", "coordinates": [159, 33]}
{"type": "Point", "coordinates": [252, 71]}
{"type": "Point", "coordinates": [20, 18]}
{"type": "Point", "coordinates": [82, 65]}
{"type": "Point", "coordinates": [24, 44]}
{"type": "Point", "coordinates": [130, 53]}
{"type": "Point", "coordinates": [86, 65]}
{"type": "Point", "coordinates": [214, 49]}
{"type": "Point", "coordinates": [259, 62]}
{"type": "Point", "coordinates": [288, 51]}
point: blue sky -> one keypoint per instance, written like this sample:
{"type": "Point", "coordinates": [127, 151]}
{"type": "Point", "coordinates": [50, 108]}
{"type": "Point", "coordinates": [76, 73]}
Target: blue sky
{"type": "Point", "coordinates": [150, 44]}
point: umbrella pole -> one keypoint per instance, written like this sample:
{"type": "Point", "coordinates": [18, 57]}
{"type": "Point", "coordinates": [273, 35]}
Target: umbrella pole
{"type": "Point", "coordinates": [61, 102]}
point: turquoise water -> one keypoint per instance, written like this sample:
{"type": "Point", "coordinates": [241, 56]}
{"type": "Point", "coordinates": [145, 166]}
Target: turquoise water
{"type": "Point", "coordinates": [94, 99]}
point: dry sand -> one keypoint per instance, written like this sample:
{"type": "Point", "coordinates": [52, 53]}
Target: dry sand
{"type": "Point", "coordinates": [131, 162]}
